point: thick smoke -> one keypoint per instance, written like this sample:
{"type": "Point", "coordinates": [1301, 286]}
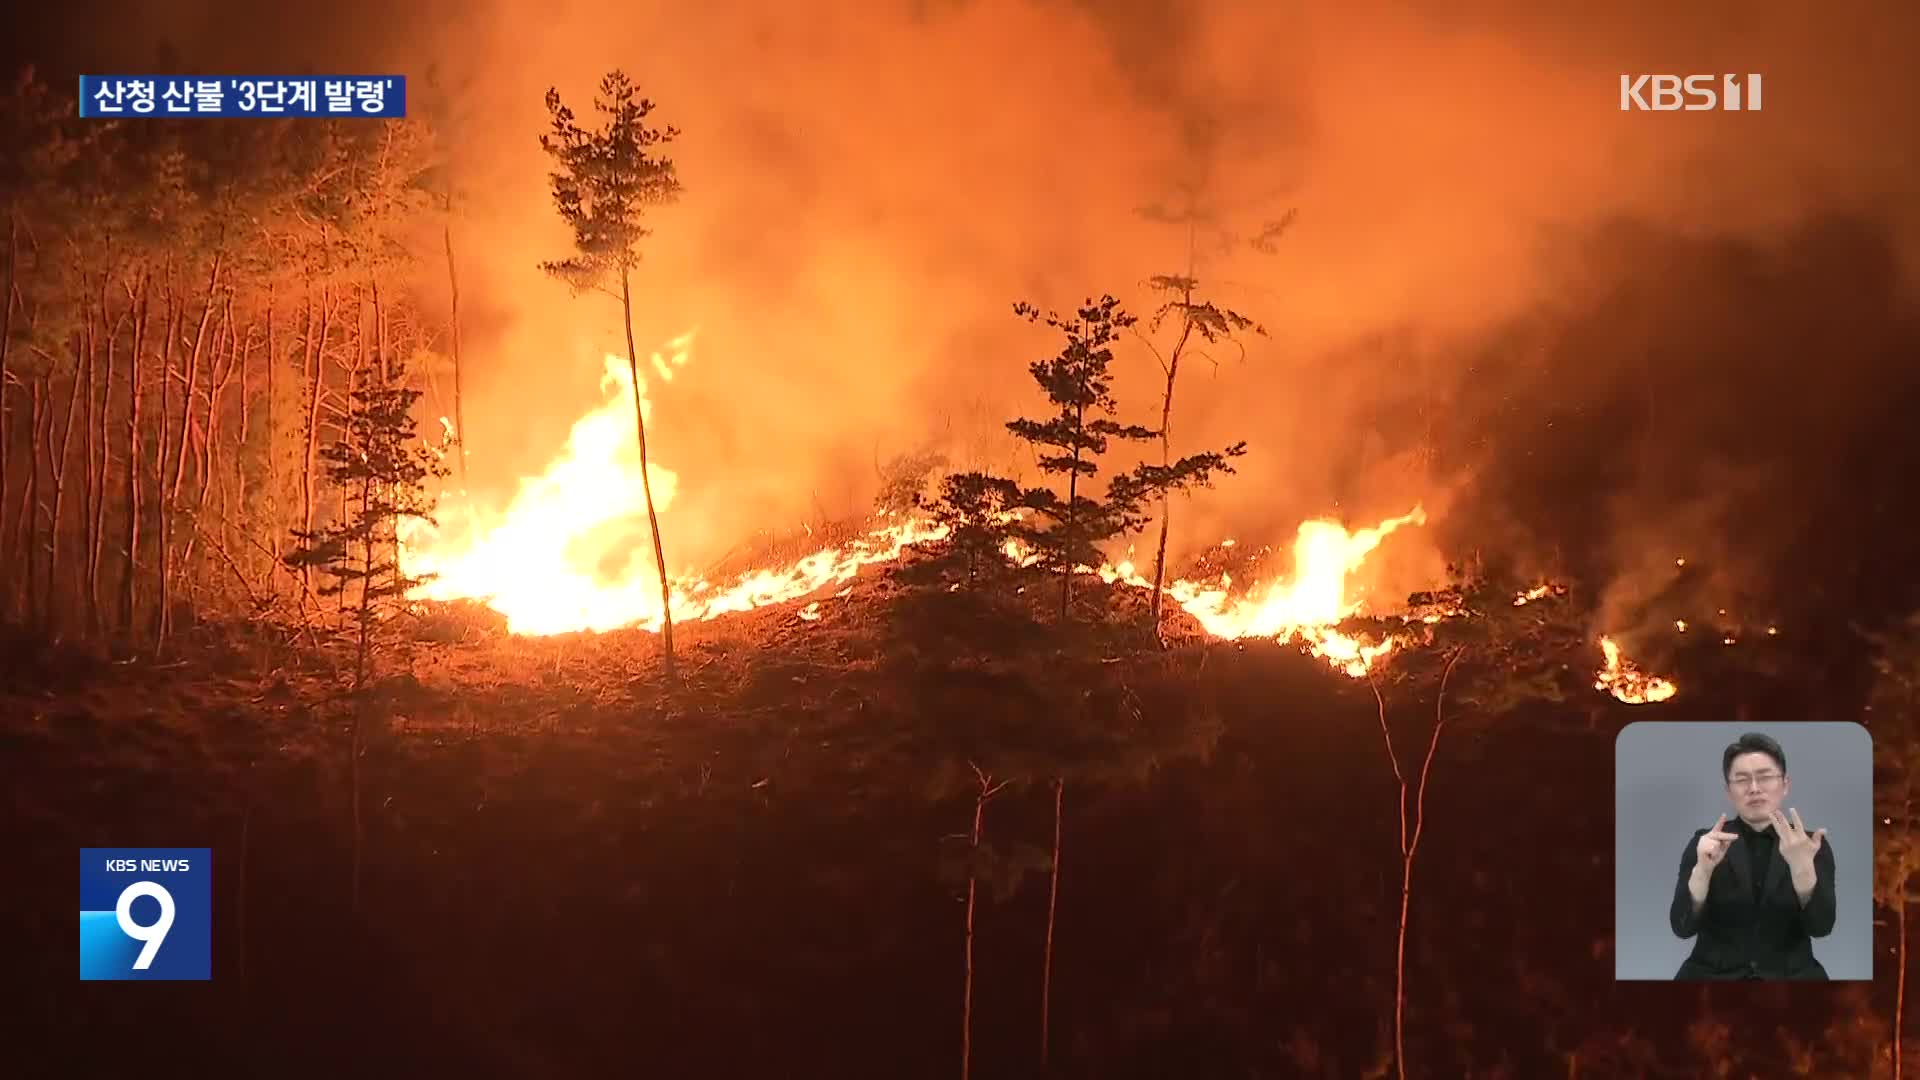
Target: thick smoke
{"type": "Point", "coordinates": [1592, 341]}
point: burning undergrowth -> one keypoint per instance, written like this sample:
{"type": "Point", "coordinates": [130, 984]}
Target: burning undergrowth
{"type": "Point", "coordinates": [566, 554]}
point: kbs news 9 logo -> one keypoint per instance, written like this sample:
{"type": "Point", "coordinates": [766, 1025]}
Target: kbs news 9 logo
{"type": "Point", "coordinates": [146, 913]}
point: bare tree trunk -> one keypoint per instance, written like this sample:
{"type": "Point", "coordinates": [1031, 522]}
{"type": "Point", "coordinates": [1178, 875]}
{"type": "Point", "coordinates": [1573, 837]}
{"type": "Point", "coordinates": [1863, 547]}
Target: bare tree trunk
{"type": "Point", "coordinates": [966, 1005]}
{"type": "Point", "coordinates": [1073, 500]}
{"type": "Point", "coordinates": [346, 426]}
{"type": "Point", "coordinates": [1166, 423]}
{"type": "Point", "coordinates": [170, 326]}
{"type": "Point", "coordinates": [272, 502]}
{"type": "Point", "coordinates": [170, 506]}
{"type": "Point", "coordinates": [988, 789]}
{"type": "Point", "coordinates": [1409, 846]}
{"type": "Point", "coordinates": [240, 361]}
{"type": "Point", "coordinates": [353, 779]}
{"type": "Point", "coordinates": [1900, 951]}
{"type": "Point", "coordinates": [97, 555]}
{"type": "Point", "coordinates": [389, 541]}
{"type": "Point", "coordinates": [316, 375]}
{"type": "Point", "coordinates": [1900, 989]}
{"type": "Point", "coordinates": [240, 896]}
{"type": "Point", "coordinates": [1166, 458]}
{"type": "Point", "coordinates": [379, 332]}
{"type": "Point", "coordinates": [133, 455]}
{"type": "Point", "coordinates": [359, 684]}
{"type": "Point", "coordinates": [193, 438]}
{"type": "Point", "coordinates": [308, 325]}
{"type": "Point", "coordinates": [6, 339]}
{"type": "Point", "coordinates": [30, 510]}
{"type": "Point", "coordinates": [459, 416]}
{"type": "Point", "coordinates": [121, 322]}
{"type": "Point", "coordinates": [1053, 897]}
{"type": "Point", "coordinates": [93, 500]}
{"type": "Point", "coordinates": [59, 464]}
{"type": "Point", "coordinates": [217, 380]}
{"type": "Point", "coordinates": [646, 479]}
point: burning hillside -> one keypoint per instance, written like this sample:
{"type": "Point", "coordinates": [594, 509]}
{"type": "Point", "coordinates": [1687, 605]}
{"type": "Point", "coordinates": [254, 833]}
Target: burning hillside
{"type": "Point", "coordinates": [565, 555]}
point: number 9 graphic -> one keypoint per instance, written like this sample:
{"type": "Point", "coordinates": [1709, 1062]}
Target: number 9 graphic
{"type": "Point", "coordinates": [152, 934]}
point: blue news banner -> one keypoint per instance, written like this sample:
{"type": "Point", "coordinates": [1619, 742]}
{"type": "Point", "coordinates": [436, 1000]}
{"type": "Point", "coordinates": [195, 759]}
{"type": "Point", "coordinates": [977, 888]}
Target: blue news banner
{"type": "Point", "coordinates": [243, 95]}
{"type": "Point", "coordinates": [146, 913]}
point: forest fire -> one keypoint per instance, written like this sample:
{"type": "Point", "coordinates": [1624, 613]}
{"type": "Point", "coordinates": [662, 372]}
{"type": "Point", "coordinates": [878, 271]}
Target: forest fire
{"type": "Point", "coordinates": [1624, 680]}
{"type": "Point", "coordinates": [563, 556]}
{"type": "Point", "coordinates": [1535, 593]}
{"type": "Point", "coordinates": [1193, 436]}
{"type": "Point", "coordinates": [1302, 608]}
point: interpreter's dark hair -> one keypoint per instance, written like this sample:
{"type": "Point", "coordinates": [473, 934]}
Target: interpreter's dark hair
{"type": "Point", "coordinates": [1751, 743]}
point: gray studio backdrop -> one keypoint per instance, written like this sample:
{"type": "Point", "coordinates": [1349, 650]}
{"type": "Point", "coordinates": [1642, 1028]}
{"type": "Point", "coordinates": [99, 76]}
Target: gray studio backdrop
{"type": "Point", "coordinates": [1667, 783]}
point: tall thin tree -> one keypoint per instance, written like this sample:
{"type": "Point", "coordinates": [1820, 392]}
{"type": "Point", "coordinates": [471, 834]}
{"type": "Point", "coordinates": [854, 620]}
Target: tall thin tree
{"type": "Point", "coordinates": [384, 470]}
{"type": "Point", "coordinates": [987, 790]}
{"type": "Point", "coordinates": [1053, 903]}
{"type": "Point", "coordinates": [1896, 751]}
{"type": "Point", "coordinates": [449, 121]}
{"type": "Point", "coordinates": [1066, 532]}
{"type": "Point", "coordinates": [1183, 317]}
{"type": "Point", "coordinates": [1410, 830]}
{"type": "Point", "coordinates": [607, 179]}
{"type": "Point", "coordinates": [1518, 655]}
{"type": "Point", "coordinates": [1202, 323]}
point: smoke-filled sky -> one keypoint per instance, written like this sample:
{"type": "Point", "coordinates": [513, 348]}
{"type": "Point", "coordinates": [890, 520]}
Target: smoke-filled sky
{"type": "Point", "coordinates": [1631, 335]}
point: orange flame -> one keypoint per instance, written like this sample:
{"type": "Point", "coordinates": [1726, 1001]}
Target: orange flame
{"type": "Point", "coordinates": [569, 553]}
{"type": "Point", "coordinates": [1302, 608]}
{"type": "Point", "coordinates": [1624, 680]}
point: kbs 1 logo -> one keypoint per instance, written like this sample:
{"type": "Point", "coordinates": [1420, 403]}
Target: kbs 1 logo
{"type": "Point", "coordinates": [1693, 93]}
{"type": "Point", "coordinates": [146, 913]}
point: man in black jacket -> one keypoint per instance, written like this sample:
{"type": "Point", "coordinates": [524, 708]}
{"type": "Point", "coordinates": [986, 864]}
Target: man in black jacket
{"type": "Point", "coordinates": [1757, 893]}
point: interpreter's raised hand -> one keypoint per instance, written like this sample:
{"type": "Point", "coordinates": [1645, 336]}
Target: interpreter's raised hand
{"type": "Point", "coordinates": [1797, 845]}
{"type": "Point", "coordinates": [1713, 844]}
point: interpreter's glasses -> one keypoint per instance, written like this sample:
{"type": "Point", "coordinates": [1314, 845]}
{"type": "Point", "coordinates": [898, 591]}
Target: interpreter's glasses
{"type": "Point", "coordinates": [1755, 781]}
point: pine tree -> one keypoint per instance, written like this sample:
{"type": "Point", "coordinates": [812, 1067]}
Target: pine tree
{"type": "Point", "coordinates": [975, 509]}
{"type": "Point", "coordinates": [383, 466]}
{"type": "Point", "coordinates": [606, 182]}
{"type": "Point", "coordinates": [1065, 531]}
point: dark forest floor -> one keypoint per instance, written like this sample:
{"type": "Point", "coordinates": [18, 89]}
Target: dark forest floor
{"type": "Point", "coordinates": [571, 868]}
